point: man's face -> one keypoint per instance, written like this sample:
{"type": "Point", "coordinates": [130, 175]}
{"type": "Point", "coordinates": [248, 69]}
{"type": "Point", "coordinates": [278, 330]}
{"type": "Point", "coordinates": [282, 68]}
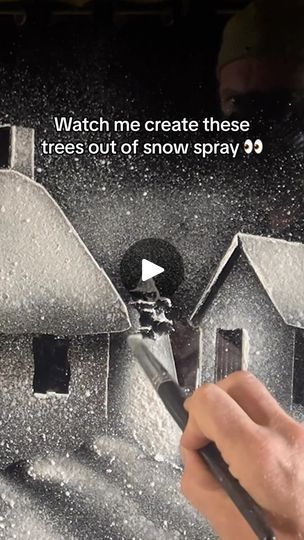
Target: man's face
{"type": "Point", "coordinates": [252, 75]}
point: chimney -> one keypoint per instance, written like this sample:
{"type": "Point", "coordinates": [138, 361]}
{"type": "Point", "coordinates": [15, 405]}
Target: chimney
{"type": "Point", "coordinates": [17, 149]}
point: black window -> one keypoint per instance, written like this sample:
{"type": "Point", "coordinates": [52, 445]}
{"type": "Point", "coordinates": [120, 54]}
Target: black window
{"type": "Point", "coordinates": [52, 368]}
{"type": "Point", "coordinates": [4, 147]}
{"type": "Point", "coordinates": [298, 373]}
{"type": "Point", "coordinates": [230, 352]}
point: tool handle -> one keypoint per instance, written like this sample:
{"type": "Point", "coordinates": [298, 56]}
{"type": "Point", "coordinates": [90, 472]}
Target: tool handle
{"type": "Point", "coordinates": [173, 398]}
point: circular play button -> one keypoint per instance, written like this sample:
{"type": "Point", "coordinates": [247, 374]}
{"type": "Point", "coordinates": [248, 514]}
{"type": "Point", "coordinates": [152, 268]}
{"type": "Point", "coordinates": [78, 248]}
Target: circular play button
{"type": "Point", "coordinates": [152, 258]}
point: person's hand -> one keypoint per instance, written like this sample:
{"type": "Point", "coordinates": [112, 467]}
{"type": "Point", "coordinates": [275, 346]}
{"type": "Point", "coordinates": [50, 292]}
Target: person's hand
{"type": "Point", "coordinates": [263, 447]}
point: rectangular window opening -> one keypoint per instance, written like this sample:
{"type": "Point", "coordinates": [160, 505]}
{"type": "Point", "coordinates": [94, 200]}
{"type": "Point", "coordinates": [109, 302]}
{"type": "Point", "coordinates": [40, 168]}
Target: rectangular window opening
{"type": "Point", "coordinates": [298, 372]}
{"type": "Point", "coordinates": [231, 352]}
{"type": "Point", "coordinates": [51, 366]}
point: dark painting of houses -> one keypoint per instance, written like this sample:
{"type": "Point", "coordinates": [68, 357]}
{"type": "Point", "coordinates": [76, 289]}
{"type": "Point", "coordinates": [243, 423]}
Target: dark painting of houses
{"type": "Point", "coordinates": [86, 450]}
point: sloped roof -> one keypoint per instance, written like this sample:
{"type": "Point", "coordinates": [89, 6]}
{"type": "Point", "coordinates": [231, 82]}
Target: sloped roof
{"type": "Point", "coordinates": [49, 281]}
{"type": "Point", "coordinates": [278, 264]}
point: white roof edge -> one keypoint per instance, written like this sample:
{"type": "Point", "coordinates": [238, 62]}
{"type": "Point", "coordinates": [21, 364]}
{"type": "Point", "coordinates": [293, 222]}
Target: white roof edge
{"type": "Point", "coordinates": [42, 188]}
{"type": "Point", "coordinates": [267, 238]}
{"type": "Point", "coordinates": [225, 259]}
{"type": "Point", "coordinates": [234, 244]}
{"type": "Point", "coordinates": [259, 274]}
{"type": "Point", "coordinates": [25, 177]}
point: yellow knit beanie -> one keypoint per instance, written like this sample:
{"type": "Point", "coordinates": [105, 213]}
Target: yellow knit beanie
{"type": "Point", "coordinates": [265, 28]}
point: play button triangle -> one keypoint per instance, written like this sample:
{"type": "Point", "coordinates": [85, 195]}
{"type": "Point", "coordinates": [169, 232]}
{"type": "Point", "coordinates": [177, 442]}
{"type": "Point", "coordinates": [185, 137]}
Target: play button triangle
{"type": "Point", "coordinates": [150, 270]}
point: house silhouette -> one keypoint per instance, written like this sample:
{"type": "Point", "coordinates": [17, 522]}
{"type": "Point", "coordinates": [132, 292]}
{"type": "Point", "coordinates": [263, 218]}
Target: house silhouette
{"type": "Point", "coordinates": [57, 311]}
{"type": "Point", "coordinates": [251, 316]}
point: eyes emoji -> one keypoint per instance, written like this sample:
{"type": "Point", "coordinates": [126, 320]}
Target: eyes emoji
{"type": "Point", "coordinates": [256, 146]}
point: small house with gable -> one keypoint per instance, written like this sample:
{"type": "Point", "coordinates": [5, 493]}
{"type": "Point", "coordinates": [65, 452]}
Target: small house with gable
{"type": "Point", "coordinates": [57, 311]}
{"type": "Point", "coordinates": [251, 316]}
